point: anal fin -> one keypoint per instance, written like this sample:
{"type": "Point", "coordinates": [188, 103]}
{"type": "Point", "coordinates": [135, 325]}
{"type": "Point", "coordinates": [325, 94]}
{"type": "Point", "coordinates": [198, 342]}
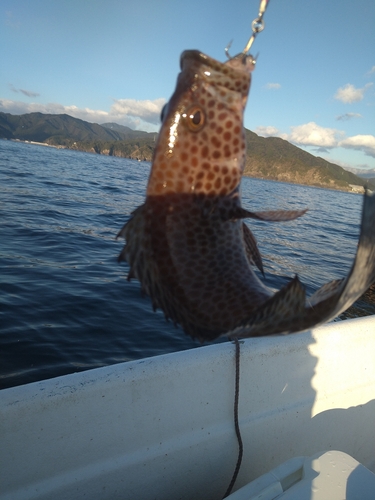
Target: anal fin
{"type": "Point", "coordinates": [275, 315]}
{"type": "Point", "coordinates": [273, 215]}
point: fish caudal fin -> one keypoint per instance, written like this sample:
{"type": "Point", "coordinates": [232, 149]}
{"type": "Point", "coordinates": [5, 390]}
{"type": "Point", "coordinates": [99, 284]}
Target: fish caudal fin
{"type": "Point", "coordinates": [362, 273]}
{"type": "Point", "coordinates": [288, 311]}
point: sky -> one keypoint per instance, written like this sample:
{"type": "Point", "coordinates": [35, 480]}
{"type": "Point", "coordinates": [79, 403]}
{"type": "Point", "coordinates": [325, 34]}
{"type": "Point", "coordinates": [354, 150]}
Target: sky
{"type": "Point", "coordinates": [117, 61]}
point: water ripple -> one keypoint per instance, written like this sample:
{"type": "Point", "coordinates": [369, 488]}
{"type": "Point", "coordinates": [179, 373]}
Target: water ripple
{"type": "Point", "coordinates": [64, 303]}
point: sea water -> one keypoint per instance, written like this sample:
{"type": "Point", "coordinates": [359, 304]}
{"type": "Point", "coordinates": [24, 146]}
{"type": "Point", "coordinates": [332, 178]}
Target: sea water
{"type": "Point", "coordinates": [65, 304]}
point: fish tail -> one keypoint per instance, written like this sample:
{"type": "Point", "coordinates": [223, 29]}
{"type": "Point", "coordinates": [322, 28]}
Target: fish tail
{"type": "Point", "coordinates": [289, 312]}
{"type": "Point", "coordinates": [341, 294]}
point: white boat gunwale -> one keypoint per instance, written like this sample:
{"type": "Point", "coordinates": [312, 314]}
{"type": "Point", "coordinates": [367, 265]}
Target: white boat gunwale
{"type": "Point", "coordinates": [163, 427]}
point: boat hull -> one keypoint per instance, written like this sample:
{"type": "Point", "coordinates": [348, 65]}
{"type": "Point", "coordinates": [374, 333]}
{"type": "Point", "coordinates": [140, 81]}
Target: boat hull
{"type": "Point", "coordinates": [162, 427]}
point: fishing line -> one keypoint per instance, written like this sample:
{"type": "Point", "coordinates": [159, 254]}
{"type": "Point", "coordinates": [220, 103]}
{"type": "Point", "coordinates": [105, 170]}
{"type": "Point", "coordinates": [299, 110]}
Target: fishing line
{"type": "Point", "coordinates": [236, 424]}
{"type": "Point", "coordinates": [256, 26]}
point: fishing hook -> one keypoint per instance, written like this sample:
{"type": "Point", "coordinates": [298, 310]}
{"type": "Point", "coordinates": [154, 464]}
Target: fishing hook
{"type": "Point", "coordinates": [227, 49]}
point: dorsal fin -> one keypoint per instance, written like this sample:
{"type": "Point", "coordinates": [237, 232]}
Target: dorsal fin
{"type": "Point", "coordinates": [273, 215]}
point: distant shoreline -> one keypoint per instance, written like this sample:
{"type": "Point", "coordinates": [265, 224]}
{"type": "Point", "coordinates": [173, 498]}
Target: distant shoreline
{"type": "Point", "coordinates": [37, 143]}
{"type": "Point", "coordinates": [355, 189]}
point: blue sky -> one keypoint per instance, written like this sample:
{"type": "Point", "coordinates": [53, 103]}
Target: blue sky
{"type": "Point", "coordinates": [113, 60]}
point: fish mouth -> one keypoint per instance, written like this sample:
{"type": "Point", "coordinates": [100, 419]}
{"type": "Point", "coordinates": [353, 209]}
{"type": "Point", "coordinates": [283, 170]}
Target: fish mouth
{"type": "Point", "coordinates": [234, 74]}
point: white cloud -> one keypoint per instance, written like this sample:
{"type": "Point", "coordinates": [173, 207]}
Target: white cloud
{"type": "Point", "coordinates": [270, 131]}
{"type": "Point", "coordinates": [365, 143]}
{"type": "Point", "coordinates": [372, 70]}
{"type": "Point", "coordinates": [272, 86]}
{"type": "Point", "coordinates": [360, 169]}
{"type": "Point", "coordinates": [311, 134]}
{"type": "Point", "coordinates": [349, 93]}
{"type": "Point", "coordinates": [148, 111]}
{"type": "Point", "coordinates": [18, 107]}
{"type": "Point", "coordinates": [322, 139]}
{"type": "Point", "coordinates": [142, 115]}
{"type": "Point", "coordinates": [348, 116]}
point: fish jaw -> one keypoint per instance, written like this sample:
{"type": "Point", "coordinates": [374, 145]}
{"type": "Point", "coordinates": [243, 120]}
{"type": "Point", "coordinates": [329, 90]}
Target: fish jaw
{"type": "Point", "coordinates": [201, 144]}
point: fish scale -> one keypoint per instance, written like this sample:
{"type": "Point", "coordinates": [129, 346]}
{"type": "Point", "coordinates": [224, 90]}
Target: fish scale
{"type": "Point", "coordinates": [188, 244]}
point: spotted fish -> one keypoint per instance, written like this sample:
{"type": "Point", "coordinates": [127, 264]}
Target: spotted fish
{"type": "Point", "coordinates": [188, 244]}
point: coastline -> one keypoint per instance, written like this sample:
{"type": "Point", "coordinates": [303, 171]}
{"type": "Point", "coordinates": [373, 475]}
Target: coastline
{"type": "Point", "coordinates": [37, 143]}
{"type": "Point", "coordinates": [355, 189]}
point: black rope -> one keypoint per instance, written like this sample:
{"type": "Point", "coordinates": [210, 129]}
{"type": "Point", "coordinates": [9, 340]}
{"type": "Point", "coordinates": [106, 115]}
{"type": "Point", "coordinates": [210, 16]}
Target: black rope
{"type": "Point", "coordinates": [236, 424]}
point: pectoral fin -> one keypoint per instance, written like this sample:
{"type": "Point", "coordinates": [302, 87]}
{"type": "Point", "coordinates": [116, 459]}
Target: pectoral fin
{"type": "Point", "coordinates": [274, 215]}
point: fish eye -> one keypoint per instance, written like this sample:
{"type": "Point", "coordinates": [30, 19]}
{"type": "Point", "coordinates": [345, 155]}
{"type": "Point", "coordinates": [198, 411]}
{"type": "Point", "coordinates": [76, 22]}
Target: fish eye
{"type": "Point", "coordinates": [194, 118]}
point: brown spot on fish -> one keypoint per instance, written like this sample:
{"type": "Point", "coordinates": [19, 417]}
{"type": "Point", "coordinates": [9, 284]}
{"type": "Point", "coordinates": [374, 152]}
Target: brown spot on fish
{"type": "Point", "coordinates": [188, 245]}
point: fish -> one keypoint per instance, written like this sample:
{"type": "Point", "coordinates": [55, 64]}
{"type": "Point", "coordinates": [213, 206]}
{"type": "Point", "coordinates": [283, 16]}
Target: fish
{"type": "Point", "coordinates": [188, 244]}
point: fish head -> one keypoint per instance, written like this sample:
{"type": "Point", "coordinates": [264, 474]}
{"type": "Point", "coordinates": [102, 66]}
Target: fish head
{"type": "Point", "coordinates": [201, 145]}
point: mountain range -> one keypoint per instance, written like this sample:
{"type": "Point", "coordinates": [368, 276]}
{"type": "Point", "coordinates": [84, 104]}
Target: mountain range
{"type": "Point", "coordinates": [267, 158]}
{"type": "Point", "coordinates": [61, 129]}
